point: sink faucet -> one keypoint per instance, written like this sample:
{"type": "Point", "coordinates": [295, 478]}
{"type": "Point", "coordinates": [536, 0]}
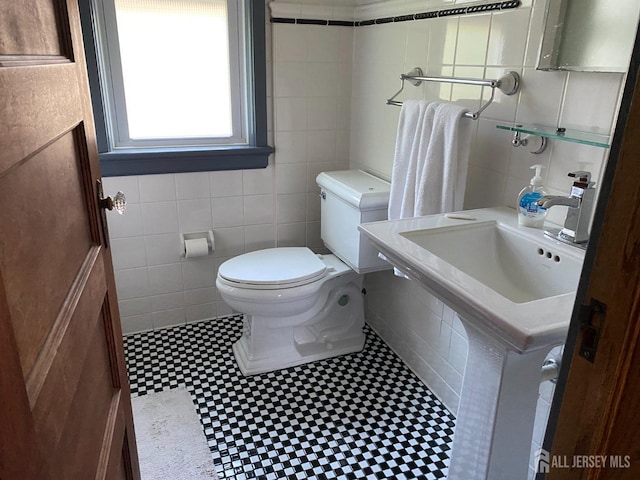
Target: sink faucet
{"type": "Point", "coordinates": [580, 203]}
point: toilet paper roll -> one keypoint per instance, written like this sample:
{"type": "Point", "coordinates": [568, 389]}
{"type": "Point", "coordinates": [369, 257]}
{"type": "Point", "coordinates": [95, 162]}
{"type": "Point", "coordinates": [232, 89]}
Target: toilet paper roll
{"type": "Point", "coordinates": [196, 247]}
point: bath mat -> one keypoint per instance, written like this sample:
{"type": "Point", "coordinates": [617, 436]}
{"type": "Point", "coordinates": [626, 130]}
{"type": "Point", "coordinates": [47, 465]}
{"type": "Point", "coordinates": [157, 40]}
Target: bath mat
{"type": "Point", "coordinates": [171, 443]}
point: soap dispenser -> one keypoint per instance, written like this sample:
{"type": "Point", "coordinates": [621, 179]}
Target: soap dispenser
{"type": "Point", "coordinates": [530, 214]}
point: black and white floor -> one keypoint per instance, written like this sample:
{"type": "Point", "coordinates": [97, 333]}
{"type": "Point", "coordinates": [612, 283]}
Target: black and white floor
{"type": "Point", "coordinates": [359, 416]}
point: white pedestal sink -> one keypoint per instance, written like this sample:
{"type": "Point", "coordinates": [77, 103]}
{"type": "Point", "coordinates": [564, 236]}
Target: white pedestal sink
{"type": "Point", "coordinates": [513, 288]}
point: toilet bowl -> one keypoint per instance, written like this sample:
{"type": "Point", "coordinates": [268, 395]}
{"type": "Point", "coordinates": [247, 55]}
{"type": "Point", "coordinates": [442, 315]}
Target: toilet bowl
{"type": "Point", "coordinates": [301, 307]}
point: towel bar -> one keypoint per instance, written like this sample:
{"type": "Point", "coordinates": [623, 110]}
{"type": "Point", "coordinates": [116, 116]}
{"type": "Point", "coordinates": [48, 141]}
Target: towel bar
{"type": "Point", "coordinates": [509, 84]}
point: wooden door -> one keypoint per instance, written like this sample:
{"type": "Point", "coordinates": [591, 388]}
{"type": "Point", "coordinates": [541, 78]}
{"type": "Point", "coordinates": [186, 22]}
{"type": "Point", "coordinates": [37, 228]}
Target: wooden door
{"type": "Point", "coordinates": [65, 410]}
{"type": "Point", "coordinates": [596, 411]}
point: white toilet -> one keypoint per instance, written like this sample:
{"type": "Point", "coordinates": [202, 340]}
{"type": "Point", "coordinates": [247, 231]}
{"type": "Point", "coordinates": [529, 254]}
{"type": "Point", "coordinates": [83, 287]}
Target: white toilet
{"type": "Point", "coordinates": [300, 307]}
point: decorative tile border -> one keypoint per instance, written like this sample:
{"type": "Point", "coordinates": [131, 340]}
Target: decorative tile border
{"type": "Point", "coordinates": [447, 12]}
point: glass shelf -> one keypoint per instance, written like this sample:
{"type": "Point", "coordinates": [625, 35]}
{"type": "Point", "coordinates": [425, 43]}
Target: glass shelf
{"type": "Point", "coordinates": [576, 136]}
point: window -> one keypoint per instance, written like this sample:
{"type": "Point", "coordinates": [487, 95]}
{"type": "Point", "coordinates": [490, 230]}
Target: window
{"type": "Point", "coordinates": [177, 85]}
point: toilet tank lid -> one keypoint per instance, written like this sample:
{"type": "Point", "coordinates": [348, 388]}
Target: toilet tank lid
{"type": "Point", "coordinates": [361, 189]}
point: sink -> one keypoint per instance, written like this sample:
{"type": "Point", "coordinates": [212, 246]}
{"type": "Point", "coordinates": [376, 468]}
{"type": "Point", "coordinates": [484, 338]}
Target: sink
{"type": "Point", "coordinates": [513, 290]}
{"type": "Point", "coordinates": [511, 282]}
{"type": "Point", "coordinates": [517, 267]}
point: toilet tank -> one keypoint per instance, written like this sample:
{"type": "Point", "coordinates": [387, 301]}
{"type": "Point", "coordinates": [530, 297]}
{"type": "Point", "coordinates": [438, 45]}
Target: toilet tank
{"type": "Point", "coordinates": [349, 198]}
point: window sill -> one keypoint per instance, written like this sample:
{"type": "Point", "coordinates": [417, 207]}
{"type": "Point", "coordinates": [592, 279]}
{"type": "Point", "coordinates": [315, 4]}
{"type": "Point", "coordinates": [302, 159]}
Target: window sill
{"type": "Point", "coordinates": [181, 160]}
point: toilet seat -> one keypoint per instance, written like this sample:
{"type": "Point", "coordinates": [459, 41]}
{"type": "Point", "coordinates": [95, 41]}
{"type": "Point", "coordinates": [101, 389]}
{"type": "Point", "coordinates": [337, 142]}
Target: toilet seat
{"type": "Point", "coordinates": [273, 268]}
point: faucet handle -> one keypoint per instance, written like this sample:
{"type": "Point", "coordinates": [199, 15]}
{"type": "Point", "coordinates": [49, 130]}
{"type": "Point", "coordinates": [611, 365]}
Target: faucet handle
{"type": "Point", "coordinates": [582, 178]}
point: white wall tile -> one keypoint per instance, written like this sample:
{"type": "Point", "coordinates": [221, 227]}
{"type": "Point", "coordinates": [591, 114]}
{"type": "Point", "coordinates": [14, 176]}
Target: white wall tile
{"type": "Point", "coordinates": [159, 217]}
{"type": "Point", "coordinates": [292, 208]}
{"type": "Point", "coordinates": [127, 225]}
{"type": "Point", "coordinates": [313, 206]}
{"type": "Point", "coordinates": [167, 301]}
{"type": "Point", "coordinates": [168, 318]}
{"type": "Point", "coordinates": [314, 239]}
{"type": "Point", "coordinates": [567, 157]}
{"type": "Point", "coordinates": [195, 215]}
{"type": "Point", "coordinates": [485, 188]}
{"type": "Point", "coordinates": [503, 107]}
{"type": "Point", "coordinates": [322, 79]}
{"type": "Point", "coordinates": [506, 40]}
{"type": "Point", "coordinates": [165, 279]}
{"type": "Point", "coordinates": [157, 188]}
{"type": "Point", "coordinates": [135, 306]}
{"type": "Point", "coordinates": [226, 183]}
{"type": "Point", "coordinates": [127, 185]}
{"type": "Point", "coordinates": [204, 311]}
{"type": "Point", "coordinates": [162, 249]}
{"type": "Point", "coordinates": [291, 178]}
{"type": "Point", "coordinates": [137, 323]}
{"type": "Point", "coordinates": [199, 296]}
{"type": "Point", "coordinates": [417, 44]}
{"type": "Point", "coordinates": [541, 97]}
{"type": "Point", "coordinates": [199, 273]}
{"type": "Point", "coordinates": [457, 355]}
{"type": "Point", "coordinates": [291, 79]}
{"type": "Point", "coordinates": [192, 185]}
{"type": "Point", "coordinates": [324, 44]}
{"type": "Point", "coordinates": [321, 146]}
{"type": "Point", "coordinates": [291, 113]}
{"type": "Point", "coordinates": [257, 237]}
{"type": "Point", "coordinates": [227, 211]}
{"type": "Point", "coordinates": [259, 181]}
{"type": "Point", "coordinates": [292, 235]}
{"type": "Point", "coordinates": [128, 252]}
{"type": "Point", "coordinates": [536, 30]}
{"type": "Point", "coordinates": [442, 41]}
{"type": "Point", "coordinates": [258, 209]}
{"type": "Point", "coordinates": [469, 96]}
{"type": "Point", "coordinates": [132, 283]}
{"type": "Point", "coordinates": [322, 113]}
{"type": "Point", "coordinates": [229, 241]}
{"type": "Point", "coordinates": [597, 114]}
{"type": "Point", "coordinates": [473, 37]}
{"type": "Point", "coordinates": [491, 148]}
{"type": "Point", "coordinates": [291, 147]}
{"type": "Point", "coordinates": [290, 43]}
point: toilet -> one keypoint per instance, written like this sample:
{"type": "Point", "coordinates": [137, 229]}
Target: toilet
{"type": "Point", "coordinates": [299, 306]}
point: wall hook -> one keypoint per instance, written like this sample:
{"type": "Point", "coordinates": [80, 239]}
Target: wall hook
{"type": "Point", "coordinates": [524, 140]}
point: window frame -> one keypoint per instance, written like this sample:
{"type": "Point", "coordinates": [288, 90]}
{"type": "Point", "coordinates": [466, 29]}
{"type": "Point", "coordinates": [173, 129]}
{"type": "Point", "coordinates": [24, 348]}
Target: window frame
{"type": "Point", "coordinates": [176, 159]}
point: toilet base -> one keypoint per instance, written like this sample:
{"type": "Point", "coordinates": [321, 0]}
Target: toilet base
{"type": "Point", "coordinates": [250, 366]}
{"type": "Point", "coordinates": [335, 329]}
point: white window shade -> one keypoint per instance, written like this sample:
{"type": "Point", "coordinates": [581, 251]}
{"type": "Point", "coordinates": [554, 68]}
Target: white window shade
{"type": "Point", "coordinates": [179, 73]}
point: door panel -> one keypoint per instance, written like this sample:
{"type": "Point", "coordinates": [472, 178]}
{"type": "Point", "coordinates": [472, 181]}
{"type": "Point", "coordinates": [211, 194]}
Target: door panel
{"type": "Point", "coordinates": [32, 28]}
{"type": "Point", "coordinates": [65, 406]}
{"type": "Point", "coordinates": [44, 258]}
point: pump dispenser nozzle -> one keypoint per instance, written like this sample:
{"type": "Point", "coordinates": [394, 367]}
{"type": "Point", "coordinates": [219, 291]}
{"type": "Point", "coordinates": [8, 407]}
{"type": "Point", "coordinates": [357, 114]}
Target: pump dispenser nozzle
{"type": "Point", "coordinates": [537, 178]}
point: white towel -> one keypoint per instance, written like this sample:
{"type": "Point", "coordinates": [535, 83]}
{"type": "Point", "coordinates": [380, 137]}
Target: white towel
{"type": "Point", "coordinates": [430, 162]}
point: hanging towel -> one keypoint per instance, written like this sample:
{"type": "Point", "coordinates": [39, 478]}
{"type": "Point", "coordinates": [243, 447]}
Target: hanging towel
{"type": "Point", "coordinates": [430, 162]}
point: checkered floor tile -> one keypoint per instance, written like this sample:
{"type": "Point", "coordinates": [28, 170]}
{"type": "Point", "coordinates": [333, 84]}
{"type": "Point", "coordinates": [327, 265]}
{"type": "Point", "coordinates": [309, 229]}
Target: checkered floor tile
{"type": "Point", "coordinates": [358, 416]}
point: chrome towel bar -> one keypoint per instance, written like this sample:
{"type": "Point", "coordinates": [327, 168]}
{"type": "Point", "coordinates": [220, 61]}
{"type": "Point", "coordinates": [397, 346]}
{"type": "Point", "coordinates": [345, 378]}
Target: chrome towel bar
{"type": "Point", "coordinates": [509, 84]}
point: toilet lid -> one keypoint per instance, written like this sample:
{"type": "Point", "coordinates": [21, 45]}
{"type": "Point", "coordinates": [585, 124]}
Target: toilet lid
{"type": "Point", "coordinates": [274, 266]}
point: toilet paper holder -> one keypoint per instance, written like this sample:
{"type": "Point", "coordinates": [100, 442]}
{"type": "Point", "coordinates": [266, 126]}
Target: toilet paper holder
{"type": "Point", "coordinates": [208, 236]}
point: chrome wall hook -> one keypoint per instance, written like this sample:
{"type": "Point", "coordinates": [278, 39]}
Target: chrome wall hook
{"type": "Point", "coordinates": [524, 140]}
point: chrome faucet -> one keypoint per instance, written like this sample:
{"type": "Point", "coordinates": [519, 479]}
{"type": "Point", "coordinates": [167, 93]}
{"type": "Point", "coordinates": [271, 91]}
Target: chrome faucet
{"type": "Point", "coordinates": [580, 203]}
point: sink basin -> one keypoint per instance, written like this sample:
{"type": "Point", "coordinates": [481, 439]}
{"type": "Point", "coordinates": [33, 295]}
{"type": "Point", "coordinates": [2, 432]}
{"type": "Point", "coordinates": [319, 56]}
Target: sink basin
{"type": "Point", "coordinates": [511, 282]}
{"type": "Point", "coordinates": [517, 267]}
{"type": "Point", "coordinates": [513, 289]}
